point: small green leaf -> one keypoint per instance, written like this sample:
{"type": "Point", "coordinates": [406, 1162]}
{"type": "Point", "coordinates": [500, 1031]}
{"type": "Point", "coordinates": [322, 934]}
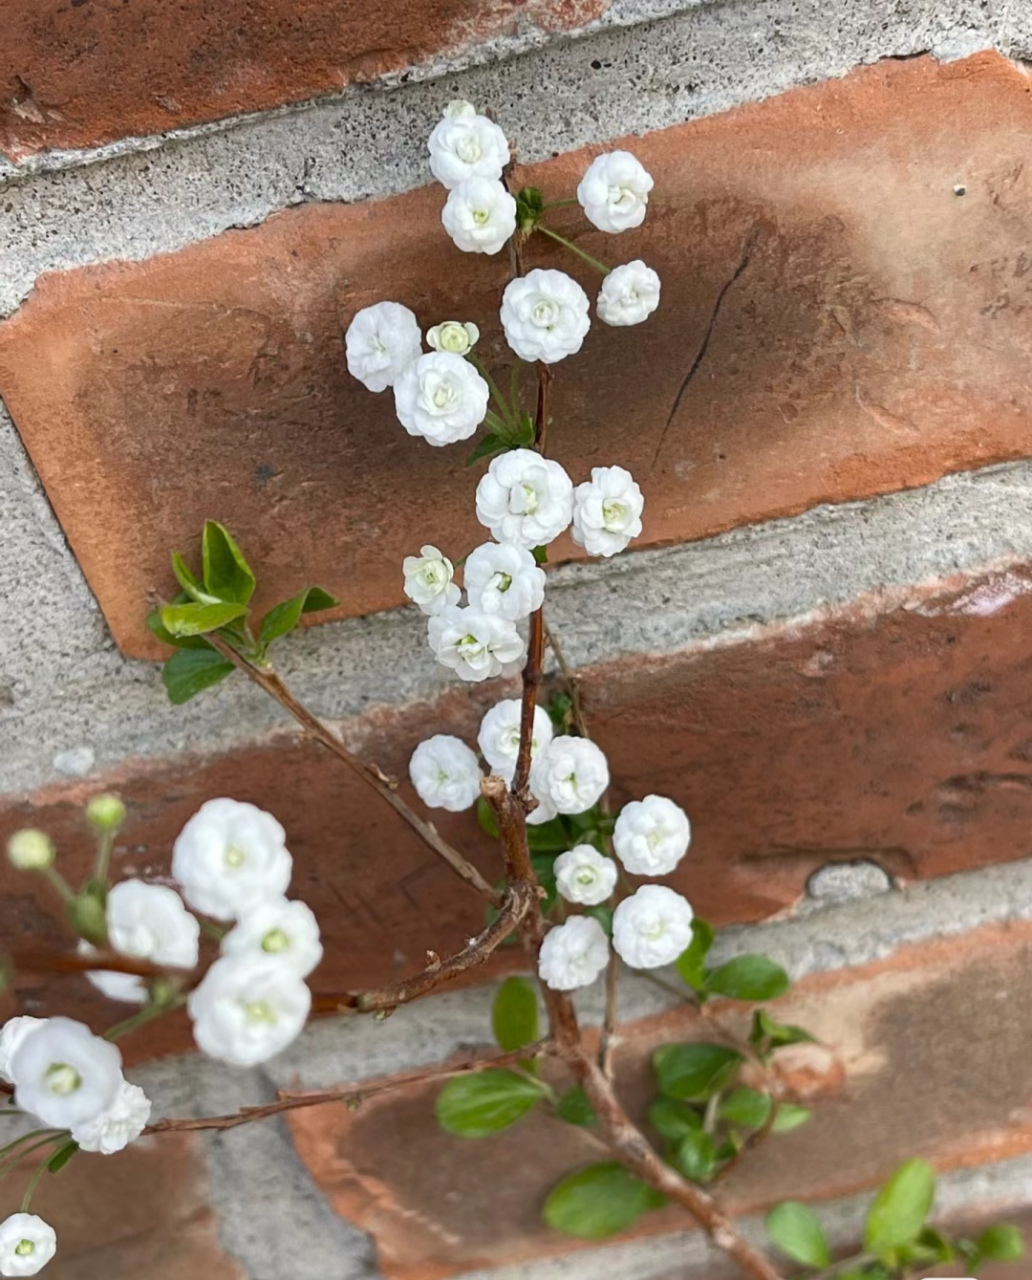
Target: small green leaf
{"type": "Point", "coordinates": [157, 628]}
{"type": "Point", "coordinates": [227, 575]}
{"type": "Point", "coordinates": [190, 671]}
{"type": "Point", "coordinates": [540, 555]}
{"type": "Point", "coordinates": [61, 1157]}
{"type": "Point", "coordinates": [486, 818]}
{"type": "Point", "coordinates": [283, 618]}
{"type": "Point", "coordinates": [696, 1156]}
{"type": "Point", "coordinates": [747, 1107]}
{"type": "Point", "coordinates": [1001, 1243]}
{"type": "Point", "coordinates": [693, 1071]}
{"type": "Point", "coordinates": [514, 1015]}
{"type": "Point", "coordinates": [795, 1230]}
{"type": "Point", "coordinates": [544, 870]}
{"type": "Point", "coordinates": [748, 978]}
{"type": "Point", "coordinates": [899, 1210]}
{"type": "Point", "coordinates": [768, 1034]}
{"type": "Point", "coordinates": [691, 964]}
{"type": "Point", "coordinates": [599, 1201]}
{"type": "Point", "coordinates": [184, 576]}
{"type": "Point", "coordinates": [790, 1117]}
{"type": "Point", "coordinates": [674, 1120]}
{"type": "Point", "coordinates": [199, 619]}
{"type": "Point", "coordinates": [485, 447]}
{"type": "Point", "coordinates": [574, 1107]}
{"type": "Point", "coordinates": [477, 1105]}
{"type": "Point", "coordinates": [548, 837]}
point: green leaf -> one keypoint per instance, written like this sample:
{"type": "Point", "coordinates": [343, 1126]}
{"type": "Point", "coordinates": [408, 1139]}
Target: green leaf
{"type": "Point", "coordinates": [485, 447]}
{"type": "Point", "coordinates": [574, 1107]}
{"type": "Point", "coordinates": [674, 1120]}
{"type": "Point", "coordinates": [900, 1208]}
{"type": "Point", "coordinates": [693, 1071]}
{"type": "Point", "coordinates": [790, 1116]}
{"type": "Point", "coordinates": [604, 915]}
{"type": "Point", "coordinates": [283, 618]}
{"type": "Point", "coordinates": [696, 1156]}
{"type": "Point", "coordinates": [514, 1016]}
{"type": "Point", "coordinates": [198, 619]}
{"type": "Point", "coordinates": [1001, 1243]}
{"type": "Point", "coordinates": [157, 628]}
{"type": "Point", "coordinates": [227, 575]}
{"type": "Point", "coordinates": [548, 837]}
{"type": "Point", "coordinates": [190, 671]}
{"type": "Point", "coordinates": [747, 1107]}
{"type": "Point", "coordinates": [61, 1157]}
{"type": "Point", "coordinates": [184, 576]}
{"type": "Point", "coordinates": [544, 870]}
{"type": "Point", "coordinates": [691, 963]}
{"type": "Point", "coordinates": [768, 1034]}
{"type": "Point", "coordinates": [795, 1230]}
{"type": "Point", "coordinates": [486, 818]}
{"type": "Point", "coordinates": [599, 1201]}
{"type": "Point", "coordinates": [748, 978]}
{"type": "Point", "coordinates": [540, 555]}
{"type": "Point", "coordinates": [477, 1105]}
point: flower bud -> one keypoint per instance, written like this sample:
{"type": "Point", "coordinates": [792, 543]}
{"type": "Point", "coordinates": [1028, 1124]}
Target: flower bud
{"type": "Point", "coordinates": [453, 336]}
{"type": "Point", "coordinates": [459, 107]}
{"type": "Point", "coordinates": [89, 916]}
{"type": "Point", "coordinates": [31, 850]}
{"type": "Point", "coordinates": [105, 812]}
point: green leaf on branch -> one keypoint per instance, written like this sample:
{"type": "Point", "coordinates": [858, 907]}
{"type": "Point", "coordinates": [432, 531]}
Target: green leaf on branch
{"type": "Point", "coordinates": [227, 575]}
{"type": "Point", "coordinates": [696, 1156]}
{"type": "Point", "coordinates": [599, 1201]}
{"type": "Point", "coordinates": [673, 1119]}
{"type": "Point", "coordinates": [191, 587]}
{"type": "Point", "coordinates": [693, 1071]}
{"type": "Point", "coordinates": [514, 1015]}
{"type": "Point", "coordinates": [790, 1116]}
{"type": "Point", "coordinates": [795, 1230]}
{"type": "Point", "coordinates": [486, 447]}
{"type": "Point", "coordinates": [748, 978]}
{"type": "Point", "coordinates": [190, 671]}
{"type": "Point", "coordinates": [157, 628]}
{"type": "Point", "coordinates": [61, 1157]}
{"type": "Point", "coordinates": [899, 1210]}
{"type": "Point", "coordinates": [199, 619]}
{"type": "Point", "coordinates": [746, 1107]}
{"type": "Point", "coordinates": [574, 1107]}
{"type": "Point", "coordinates": [767, 1034]}
{"type": "Point", "coordinates": [283, 618]}
{"type": "Point", "coordinates": [530, 205]}
{"type": "Point", "coordinates": [548, 837]}
{"type": "Point", "coordinates": [1001, 1243]}
{"type": "Point", "coordinates": [691, 963]}
{"type": "Point", "coordinates": [475, 1106]}
{"type": "Point", "coordinates": [486, 818]}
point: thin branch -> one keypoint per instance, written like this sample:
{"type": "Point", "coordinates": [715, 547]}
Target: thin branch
{"type": "Point", "coordinates": [572, 680]}
{"type": "Point", "coordinates": [39, 960]}
{"type": "Point", "coordinates": [608, 1040]}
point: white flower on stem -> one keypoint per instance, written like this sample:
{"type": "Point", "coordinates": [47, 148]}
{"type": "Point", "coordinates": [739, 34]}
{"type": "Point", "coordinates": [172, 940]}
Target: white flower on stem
{"type": "Point", "coordinates": [629, 294]}
{"type": "Point", "coordinates": [476, 645]}
{"type": "Point", "coordinates": [573, 954]}
{"type": "Point", "coordinates": [453, 336]}
{"type": "Point", "coordinates": [229, 856]}
{"type": "Point", "coordinates": [466, 145]}
{"type": "Point", "coordinates": [479, 215]}
{"type": "Point", "coordinates": [27, 1244]}
{"type": "Point", "coordinates": [118, 1125]}
{"type": "Point", "coordinates": [445, 773]}
{"type": "Point", "coordinates": [525, 498]}
{"type": "Point", "coordinates": [64, 1074]}
{"type": "Point", "coordinates": [14, 1032]}
{"type": "Point", "coordinates": [614, 191]}
{"type": "Point", "coordinates": [247, 1009]}
{"type": "Point", "coordinates": [499, 734]}
{"type": "Point", "coordinates": [652, 927]}
{"type": "Point", "coordinates": [279, 929]}
{"type": "Point", "coordinates": [147, 922]}
{"type": "Point", "coordinates": [505, 579]}
{"type": "Point", "coordinates": [441, 397]}
{"type": "Point", "coordinates": [607, 511]}
{"type": "Point", "coordinates": [585, 876]}
{"type": "Point", "coordinates": [380, 342]}
{"type": "Point", "coordinates": [428, 580]}
{"type": "Point", "coordinates": [545, 315]}
{"type": "Point", "coordinates": [572, 773]}
{"type": "Point", "coordinates": [651, 836]}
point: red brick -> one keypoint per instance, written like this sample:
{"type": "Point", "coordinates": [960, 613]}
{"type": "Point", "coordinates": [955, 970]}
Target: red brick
{"type": "Point", "coordinates": [875, 340]}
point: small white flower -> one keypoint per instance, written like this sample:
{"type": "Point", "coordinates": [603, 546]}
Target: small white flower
{"type": "Point", "coordinates": [629, 294]}
{"type": "Point", "coordinates": [525, 498]}
{"type": "Point", "coordinates": [246, 1010]}
{"type": "Point", "coordinates": [479, 215]}
{"type": "Point", "coordinates": [27, 1244]}
{"type": "Point", "coordinates": [545, 315]}
{"type": "Point", "coordinates": [229, 856]}
{"type": "Point", "coordinates": [118, 1125]}
{"type": "Point", "coordinates": [584, 875]}
{"type": "Point", "coordinates": [572, 773]}
{"type": "Point", "coordinates": [466, 145]}
{"type": "Point", "coordinates": [284, 931]}
{"type": "Point", "coordinates": [651, 836]}
{"type": "Point", "coordinates": [504, 578]}
{"type": "Point", "coordinates": [614, 191]}
{"type": "Point", "coordinates": [476, 645]}
{"type": "Point", "coordinates": [381, 341]}
{"type": "Point", "coordinates": [453, 336]}
{"type": "Point", "coordinates": [445, 773]}
{"type": "Point", "coordinates": [573, 954]}
{"type": "Point", "coordinates": [64, 1074]}
{"type": "Point", "coordinates": [499, 734]}
{"type": "Point", "coordinates": [149, 922]}
{"type": "Point", "coordinates": [14, 1032]}
{"type": "Point", "coordinates": [441, 397]}
{"type": "Point", "coordinates": [428, 580]}
{"type": "Point", "coordinates": [607, 511]}
{"type": "Point", "coordinates": [652, 927]}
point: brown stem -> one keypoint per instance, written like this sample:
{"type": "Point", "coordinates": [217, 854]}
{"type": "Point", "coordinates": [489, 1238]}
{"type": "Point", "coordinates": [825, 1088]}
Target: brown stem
{"type": "Point", "coordinates": [607, 1042]}
{"type": "Point", "coordinates": [39, 960]}
{"type": "Point", "coordinates": [572, 681]}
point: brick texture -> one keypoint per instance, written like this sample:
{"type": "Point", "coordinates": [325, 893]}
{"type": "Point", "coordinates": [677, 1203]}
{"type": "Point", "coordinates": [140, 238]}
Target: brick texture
{"type": "Point", "coordinates": [871, 335]}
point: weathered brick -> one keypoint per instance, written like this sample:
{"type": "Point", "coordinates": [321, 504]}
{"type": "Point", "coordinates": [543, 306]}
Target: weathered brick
{"type": "Point", "coordinates": [870, 335]}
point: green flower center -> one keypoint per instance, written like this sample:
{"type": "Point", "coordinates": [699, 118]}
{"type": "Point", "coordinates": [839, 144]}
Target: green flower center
{"type": "Point", "coordinates": [234, 856]}
{"type": "Point", "coordinates": [259, 1011]}
{"type": "Point", "coordinates": [275, 941]}
{"type": "Point", "coordinates": [63, 1079]}
{"type": "Point", "coordinates": [24, 1248]}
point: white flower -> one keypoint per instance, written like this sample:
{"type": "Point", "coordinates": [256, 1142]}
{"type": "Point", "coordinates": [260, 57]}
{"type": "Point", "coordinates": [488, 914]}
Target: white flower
{"type": "Point", "coordinates": [246, 1010]}
{"type": "Point", "coordinates": [572, 773]}
{"type": "Point", "coordinates": [453, 336]}
{"type": "Point", "coordinates": [441, 397]}
{"type": "Point", "coordinates": [27, 1244]}
{"type": "Point", "coordinates": [428, 580]}
{"type": "Point", "coordinates": [149, 922]}
{"type": "Point", "coordinates": [545, 315]}
{"type": "Point", "coordinates": [284, 931]}
{"type": "Point", "coordinates": [504, 578]}
{"type": "Point", "coordinates": [499, 734]}
{"type": "Point", "coordinates": [31, 850]}
{"type": "Point", "coordinates": [64, 1074]}
{"type": "Point", "coordinates": [118, 1125]}
{"type": "Point", "coordinates": [479, 215]}
{"type": "Point", "coordinates": [525, 498]}
{"type": "Point", "coordinates": [381, 341]}
{"type": "Point", "coordinates": [607, 511]}
{"type": "Point", "coordinates": [14, 1032]}
{"type": "Point", "coordinates": [615, 191]}
{"type": "Point", "coordinates": [229, 856]}
{"type": "Point", "coordinates": [652, 927]}
{"type": "Point", "coordinates": [476, 645]}
{"type": "Point", "coordinates": [651, 836]}
{"type": "Point", "coordinates": [584, 875]}
{"type": "Point", "coordinates": [445, 773]}
{"type": "Point", "coordinates": [629, 294]}
{"type": "Point", "coordinates": [466, 145]}
{"type": "Point", "coordinates": [573, 954]}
